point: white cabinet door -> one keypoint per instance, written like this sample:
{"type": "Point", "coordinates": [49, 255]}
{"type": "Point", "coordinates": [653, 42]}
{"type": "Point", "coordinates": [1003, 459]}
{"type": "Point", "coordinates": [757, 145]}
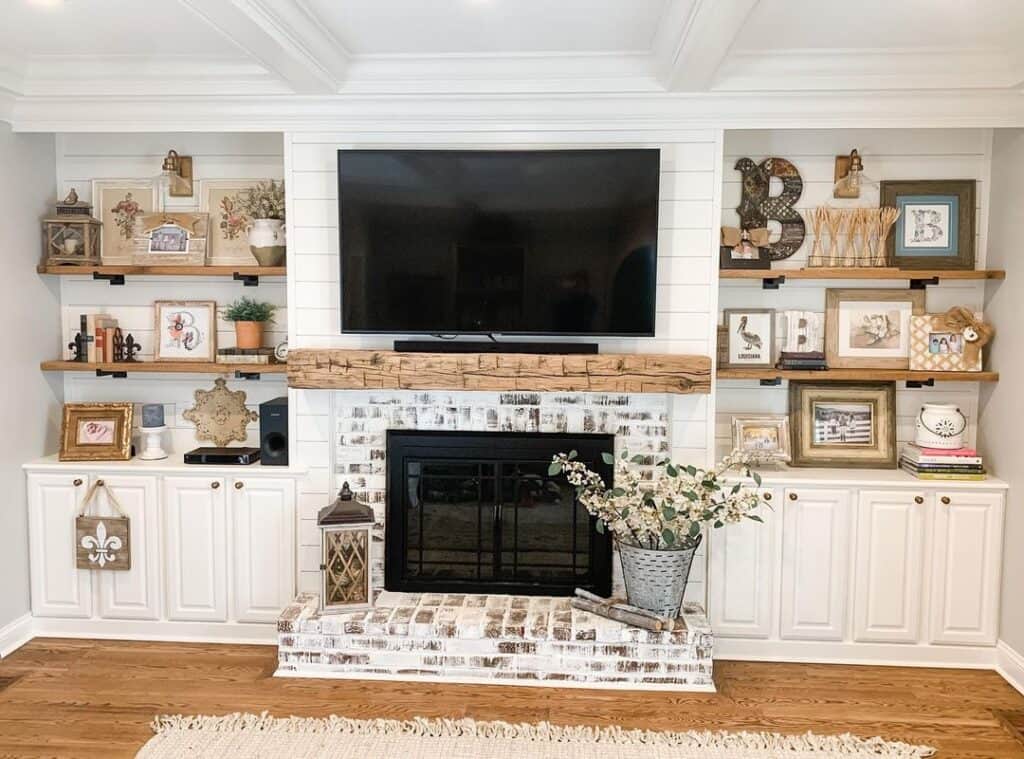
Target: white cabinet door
{"type": "Point", "coordinates": [888, 563]}
{"type": "Point", "coordinates": [58, 588]}
{"type": "Point", "coordinates": [196, 548]}
{"type": "Point", "coordinates": [263, 536]}
{"type": "Point", "coordinates": [966, 567]}
{"type": "Point", "coordinates": [135, 593]}
{"type": "Point", "coordinates": [815, 556]}
{"type": "Point", "coordinates": [742, 575]}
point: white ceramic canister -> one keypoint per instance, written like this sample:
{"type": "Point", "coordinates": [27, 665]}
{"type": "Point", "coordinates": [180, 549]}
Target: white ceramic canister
{"type": "Point", "coordinates": [267, 241]}
{"type": "Point", "coordinates": [941, 425]}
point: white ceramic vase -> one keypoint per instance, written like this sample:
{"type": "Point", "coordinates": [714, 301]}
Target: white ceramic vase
{"type": "Point", "coordinates": [940, 425]}
{"type": "Point", "coordinates": [267, 241]}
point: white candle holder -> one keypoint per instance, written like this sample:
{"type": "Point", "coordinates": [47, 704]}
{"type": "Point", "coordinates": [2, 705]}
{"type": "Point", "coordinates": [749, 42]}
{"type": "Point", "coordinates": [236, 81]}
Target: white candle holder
{"type": "Point", "coordinates": [153, 444]}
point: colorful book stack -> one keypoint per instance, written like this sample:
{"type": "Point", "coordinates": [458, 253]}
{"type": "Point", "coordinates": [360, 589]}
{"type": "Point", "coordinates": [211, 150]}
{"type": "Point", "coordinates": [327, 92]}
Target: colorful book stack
{"type": "Point", "coordinates": [97, 331]}
{"type": "Point", "coordinates": [939, 464]}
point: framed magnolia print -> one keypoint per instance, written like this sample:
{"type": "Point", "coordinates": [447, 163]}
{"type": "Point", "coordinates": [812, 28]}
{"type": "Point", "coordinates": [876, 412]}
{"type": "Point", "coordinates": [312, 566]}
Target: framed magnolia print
{"type": "Point", "coordinates": [764, 436]}
{"type": "Point", "coordinates": [96, 432]}
{"type": "Point", "coordinates": [229, 223]}
{"type": "Point", "coordinates": [750, 337]}
{"type": "Point", "coordinates": [186, 330]}
{"type": "Point", "coordinates": [843, 424]}
{"type": "Point", "coordinates": [119, 203]}
{"type": "Point", "coordinates": [935, 228]}
{"type": "Point", "coordinates": [938, 345]}
{"type": "Point", "coordinates": [870, 329]}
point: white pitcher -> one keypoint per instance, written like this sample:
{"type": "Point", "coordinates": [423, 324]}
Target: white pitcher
{"type": "Point", "coordinates": [941, 425]}
{"type": "Point", "coordinates": [267, 241]}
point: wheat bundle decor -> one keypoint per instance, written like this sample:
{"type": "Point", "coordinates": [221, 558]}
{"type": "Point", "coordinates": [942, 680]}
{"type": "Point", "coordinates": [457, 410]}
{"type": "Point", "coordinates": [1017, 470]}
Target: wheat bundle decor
{"type": "Point", "coordinates": [855, 237]}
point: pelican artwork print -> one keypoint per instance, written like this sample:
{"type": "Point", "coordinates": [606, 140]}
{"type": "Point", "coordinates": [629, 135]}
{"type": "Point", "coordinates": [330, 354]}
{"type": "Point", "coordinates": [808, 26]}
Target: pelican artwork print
{"type": "Point", "coordinates": [751, 336]}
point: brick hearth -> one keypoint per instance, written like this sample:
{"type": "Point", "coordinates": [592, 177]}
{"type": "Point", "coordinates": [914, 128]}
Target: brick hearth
{"type": "Point", "coordinates": [487, 638]}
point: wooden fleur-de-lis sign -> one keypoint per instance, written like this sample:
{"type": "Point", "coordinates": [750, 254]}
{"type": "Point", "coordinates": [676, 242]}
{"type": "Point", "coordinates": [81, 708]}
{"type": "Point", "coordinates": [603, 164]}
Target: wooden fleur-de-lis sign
{"type": "Point", "coordinates": [757, 206]}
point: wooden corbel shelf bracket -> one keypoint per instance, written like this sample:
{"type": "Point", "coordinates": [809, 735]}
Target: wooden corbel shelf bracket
{"type": "Point", "coordinates": [336, 369]}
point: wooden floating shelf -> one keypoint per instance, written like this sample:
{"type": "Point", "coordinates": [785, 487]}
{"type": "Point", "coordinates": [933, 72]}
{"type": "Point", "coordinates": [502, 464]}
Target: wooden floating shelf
{"type": "Point", "coordinates": [334, 369]}
{"type": "Point", "coordinates": [863, 273]}
{"type": "Point", "coordinates": [163, 367]}
{"type": "Point", "coordinates": [165, 271]}
{"type": "Point", "coordinates": [862, 375]}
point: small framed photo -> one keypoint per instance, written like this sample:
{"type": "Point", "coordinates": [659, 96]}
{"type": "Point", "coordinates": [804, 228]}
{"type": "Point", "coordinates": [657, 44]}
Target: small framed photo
{"type": "Point", "coordinates": [936, 346]}
{"type": "Point", "coordinates": [870, 329]}
{"type": "Point", "coordinates": [935, 228]}
{"type": "Point", "coordinates": [185, 330]}
{"type": "Point", "coordinates": [750, 337]}
{"type": "Point", "coordinates": [842, 424]}
{"type": "Point", "coordinates": [765, 436]}
{"type": "Point", "coordinates": [743, 256]}
{"type": "Point", "coordinates": [96, 432]}
{"type": "Point", "coordinates": [170, 239]}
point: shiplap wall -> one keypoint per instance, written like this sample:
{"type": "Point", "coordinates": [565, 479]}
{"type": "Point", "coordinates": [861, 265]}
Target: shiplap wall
{"type": "Point", "coordinates": [687, 291]}
{"type": "Point", "coordinates": [82, 158]}
{"type": "Point", "coordinates": [887, 154]}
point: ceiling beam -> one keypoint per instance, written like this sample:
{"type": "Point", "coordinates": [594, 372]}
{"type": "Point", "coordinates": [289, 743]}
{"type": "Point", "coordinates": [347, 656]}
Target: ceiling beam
{"type": "Point", "coordinates": [284, 36]}
{"type": "Point", "coordinates": [693, 38]}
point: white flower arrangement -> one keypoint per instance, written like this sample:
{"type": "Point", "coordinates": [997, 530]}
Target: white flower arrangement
{"type": "Point", "coordinates": [669, 511]}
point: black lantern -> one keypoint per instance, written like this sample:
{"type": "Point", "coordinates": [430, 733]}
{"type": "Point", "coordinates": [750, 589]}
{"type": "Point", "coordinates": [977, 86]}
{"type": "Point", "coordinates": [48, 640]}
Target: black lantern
{"type": "Point", "coordinates": [345, 537]}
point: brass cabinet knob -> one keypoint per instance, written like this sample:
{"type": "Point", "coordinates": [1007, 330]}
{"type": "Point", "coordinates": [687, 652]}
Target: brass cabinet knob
{"type": "Point", "coordinates": [767, 496]}
{"type": "Point", "coordinates": [239, 485]}
{"type": "Point", "coordinates": [77, 481]}
{"type": "Point", "coordinates": [918, 499]}
{"type": "Point", "coordinates": [214, 484]}
{"type": "Point", "coordinates": [945, 500]}
{"type": "Point", "coordinates": [793, 496]}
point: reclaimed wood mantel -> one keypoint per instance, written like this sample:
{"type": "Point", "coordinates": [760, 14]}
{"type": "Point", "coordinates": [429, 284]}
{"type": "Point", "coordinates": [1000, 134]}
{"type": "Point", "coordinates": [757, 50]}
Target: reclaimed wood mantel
{"type": "Point", "coordinates": [338, 369]}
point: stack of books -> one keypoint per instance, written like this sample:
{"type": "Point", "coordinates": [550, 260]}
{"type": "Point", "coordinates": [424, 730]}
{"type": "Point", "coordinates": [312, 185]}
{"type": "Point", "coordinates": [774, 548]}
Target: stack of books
{"type": "Point", "coordinates": [98, 333]}
{"type": "Point", "coordinates": [246, 356]}
{"type": "Point", "coordinates": [810, 360]}
{"type": "Point", "coordinates": [940, 464]}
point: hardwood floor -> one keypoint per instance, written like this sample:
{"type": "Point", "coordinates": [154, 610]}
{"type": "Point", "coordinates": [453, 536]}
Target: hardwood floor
{"type": "Point", "coordinates": [78, 698]}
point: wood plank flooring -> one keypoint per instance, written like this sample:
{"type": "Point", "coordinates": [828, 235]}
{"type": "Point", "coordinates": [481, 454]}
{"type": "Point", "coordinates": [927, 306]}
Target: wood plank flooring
{"type": "Point", "coordinates": [79, 698]}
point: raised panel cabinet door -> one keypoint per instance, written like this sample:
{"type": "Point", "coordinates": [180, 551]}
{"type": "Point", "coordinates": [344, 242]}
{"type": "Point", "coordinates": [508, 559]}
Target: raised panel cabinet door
{"type": "Point", "coordinates": [966, 567]}
{"type": "Point", "coordinates": [742, 575]}
{"type": "Point", "coordinates": [815, 556]}
{"type": "Point", "coordinates": [59, 589]}
{"type": "Point", "coordinates": [263, 541]}
{"type": "Point", "coordinates": [888, 566]}
{"type": "Point", "coordinates": [196, 548]}
{"type": "Point", "coordinates": [135, 593]}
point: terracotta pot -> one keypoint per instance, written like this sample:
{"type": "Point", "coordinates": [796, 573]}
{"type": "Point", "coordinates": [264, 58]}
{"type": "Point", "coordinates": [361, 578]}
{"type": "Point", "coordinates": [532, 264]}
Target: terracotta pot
{"type": "Point", "coordinates": [249, 334]}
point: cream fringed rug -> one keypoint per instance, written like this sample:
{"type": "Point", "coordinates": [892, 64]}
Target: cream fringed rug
{"type": "Point", "coordinates": [248, 736]}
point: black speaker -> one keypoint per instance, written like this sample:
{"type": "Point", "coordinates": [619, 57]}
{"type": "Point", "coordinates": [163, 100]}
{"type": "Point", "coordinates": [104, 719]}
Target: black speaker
{"type": "Point", "coordinates": [274, 432]}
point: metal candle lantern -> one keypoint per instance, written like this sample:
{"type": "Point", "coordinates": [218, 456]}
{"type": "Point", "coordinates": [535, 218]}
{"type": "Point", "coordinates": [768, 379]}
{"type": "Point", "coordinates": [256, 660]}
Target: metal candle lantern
{"type": "Point", "coordinates": [345, 540]}
{"type": "Point", "coordinates": [72, 236]}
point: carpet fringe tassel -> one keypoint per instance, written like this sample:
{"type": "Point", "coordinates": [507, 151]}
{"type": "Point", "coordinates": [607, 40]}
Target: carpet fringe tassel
{"type": "Point", "coordinates": [542, 731]}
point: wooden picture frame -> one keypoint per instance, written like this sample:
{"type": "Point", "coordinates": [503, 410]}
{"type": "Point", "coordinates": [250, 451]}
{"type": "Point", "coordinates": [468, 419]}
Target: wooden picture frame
{"type": "Point", "coordinates": [727, 259]}
{"type": "Point", "coordinates": [185, 330]}
{"type": "Point", "coordinates": [119, 204]}
{"type": "Point", "coordinates": [747, 346]}
{"type": "Point", "coordinates": [96, 432]}
{"type": "Point", "coordinates": [936, 225]}
{"type": "Point", "coordinates": [195, 227]}
{"type": "Point", "coordinates": [935, 347]}
{"type": "Point", "coordinates": [843, 424]}
{"type": "Point", "coordinates": [854, 342]}
{"type": "Point", "coordinates": [766, 436]}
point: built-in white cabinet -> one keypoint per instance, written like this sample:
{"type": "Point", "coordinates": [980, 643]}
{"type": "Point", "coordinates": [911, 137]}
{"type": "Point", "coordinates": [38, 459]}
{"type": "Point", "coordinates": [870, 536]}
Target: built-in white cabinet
{"type": "Point", "coordinates": [135, 593]}
{"type": "Point", "coordinates": [58, 588]}
{"type": "Point", "coordinates": [966, 561]}
{"type": "Point", "coordinates": [815, 549]}
{"type": "Point", "coordinates": [263, 517]}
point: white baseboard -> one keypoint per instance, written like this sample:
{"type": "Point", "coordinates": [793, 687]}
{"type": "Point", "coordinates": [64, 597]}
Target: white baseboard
{"type": "Point", "coordinates": [1010, 664]}
{"type": "Point", "coordinates": [15, 634]}
{"type": "Point", "coordinates": [877, 654]}
{"type": "Point", "coordinates": [178, 632]}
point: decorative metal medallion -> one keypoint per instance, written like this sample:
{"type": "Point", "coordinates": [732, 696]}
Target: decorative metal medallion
{"type": "Point", "coordinates": [757, 206]}
{"type": "Point", "coordinates": [220, 414]}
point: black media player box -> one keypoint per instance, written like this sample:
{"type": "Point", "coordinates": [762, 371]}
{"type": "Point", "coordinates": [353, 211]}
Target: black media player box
{"type": "Point", "coordinates": [239, 455]}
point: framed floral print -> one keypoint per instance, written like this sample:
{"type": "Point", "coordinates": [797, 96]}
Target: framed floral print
{"type": "Point", "coordinates": [229, 224]}
{"type": "Point", "coordinates": [120, 204]}
{"type": "Point", "coordinates": [843, 424]}
{"type": "Point", "coordinates": [935, 228]}
{"type": "Point", "coordinates": [870, 329]}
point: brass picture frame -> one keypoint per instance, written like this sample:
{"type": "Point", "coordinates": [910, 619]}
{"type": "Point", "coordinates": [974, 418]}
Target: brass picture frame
{"type": "Point", "coordinates": [840, 344]}
{"type": "Point", "coordinates": [843, 424]}
{"type": "Point", "coordinates": [96, 432]}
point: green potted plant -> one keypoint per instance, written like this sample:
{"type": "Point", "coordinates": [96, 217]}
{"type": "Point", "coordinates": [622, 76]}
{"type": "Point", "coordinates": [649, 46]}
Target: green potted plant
{"type": "Point", "coordinates": [658, 523]}
{"type": "Point", "coordinates": [263, 204]}
{"type": "Point", "coordinates": [250, 316]}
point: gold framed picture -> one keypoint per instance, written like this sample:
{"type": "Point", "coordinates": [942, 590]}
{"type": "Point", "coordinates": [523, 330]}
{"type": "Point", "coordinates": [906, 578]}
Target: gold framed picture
{"type": "Point", "coordinates": [96, 432]}
{"type": "Point", "coordinates": [869, 329]}
{"type": "Point", "coordinates": [185, 330]}
{"type": "Point", "coordinates": [843, 424]}
{"type": "Point", "coordinates": [765, 436]}
{"type": "Point", "coordinates": [937, 346]}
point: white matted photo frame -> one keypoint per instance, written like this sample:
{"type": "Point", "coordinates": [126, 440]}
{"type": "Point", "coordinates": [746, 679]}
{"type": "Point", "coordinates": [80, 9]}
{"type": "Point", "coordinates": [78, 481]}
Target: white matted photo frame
{"type": "Point", "coordinates": [229, 224]}
{"type": "Point", "coordinates": [750, 337]}
{"type": "Point", "coordinates": [936, 345]}
{"type": "Point", "coordinates": [843, 424]}
{"type": "Point", "coordinates": [185, 330]}
{"type": "Point", "coordinates": [764, 436]}
{"type": "Point", "coordinates": [119, 204]}
{"type": "Point", "coordinates": [868, 328]}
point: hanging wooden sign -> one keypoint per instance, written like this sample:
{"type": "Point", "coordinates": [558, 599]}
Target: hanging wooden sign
{"type": "Point", "coordinates": [102, 542]}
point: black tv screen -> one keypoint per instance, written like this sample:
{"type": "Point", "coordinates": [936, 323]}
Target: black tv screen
{"type": "Point", "coordinates": [542, 242]}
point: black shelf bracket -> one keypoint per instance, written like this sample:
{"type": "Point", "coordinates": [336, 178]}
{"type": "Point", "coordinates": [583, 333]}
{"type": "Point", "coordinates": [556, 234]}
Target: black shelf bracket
{"type": "Point", "coordinates": [115, 375]}
{"type": "Point", "coordinates": [113, 279]}
{"type": "Point", "coordinates": [772, 283]}
{"type": "Point", "coordinates": [247, 375]}
{"type": "Point", "coordinates": [247, 280]}
{"type": "Point", "coordinates": [915, 384]}
{"type": "Point", "coordinates": [922, 283]}
{"type": "Point", "coordinates": [771, 382]}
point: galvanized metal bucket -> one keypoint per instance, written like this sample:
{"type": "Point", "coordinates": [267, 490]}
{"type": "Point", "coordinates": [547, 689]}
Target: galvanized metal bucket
{"type": "Point", "coordinates": [656, 580]}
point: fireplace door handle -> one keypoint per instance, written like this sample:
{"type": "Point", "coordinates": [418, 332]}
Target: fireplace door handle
{"type": "Point", "coordinates": [497, 513]}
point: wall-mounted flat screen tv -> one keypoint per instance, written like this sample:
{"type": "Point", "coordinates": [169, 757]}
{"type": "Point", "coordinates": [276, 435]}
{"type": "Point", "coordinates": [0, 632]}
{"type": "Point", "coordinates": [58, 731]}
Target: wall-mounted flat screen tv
{"type": "Point", "coordinates": [520, 242]}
